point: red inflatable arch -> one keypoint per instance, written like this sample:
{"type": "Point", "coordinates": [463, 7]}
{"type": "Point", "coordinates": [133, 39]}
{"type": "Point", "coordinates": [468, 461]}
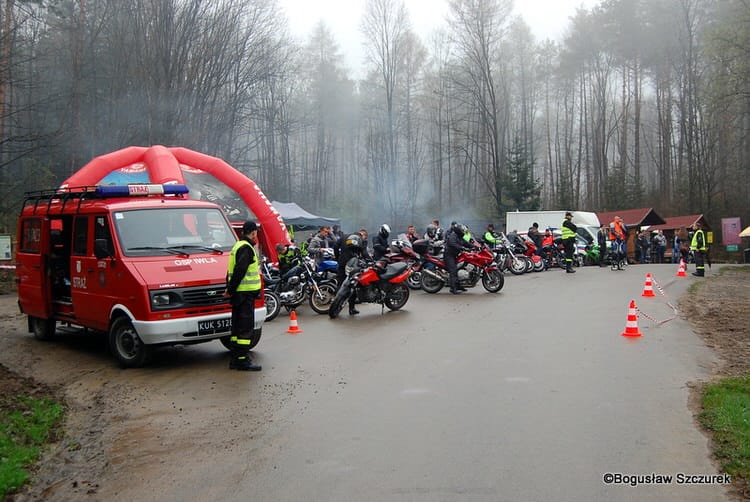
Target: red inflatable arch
{"type": "Point", "coordinates": [165, 165]}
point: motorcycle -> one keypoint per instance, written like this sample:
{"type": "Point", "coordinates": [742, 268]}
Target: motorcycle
{"type": "Point", "coordinates": [553, 254]}
{"type": "Point", "coordinates": [328, 266]}
{"type": "Point", "coordinates": [270, 275]}
{"type": "Point", "coordinates": [507, 258]}
{"type": "Point", "coordinates": [402, 250]}
{"type": "Point", "coordinates": [592, 255]}
{"type": "Point", "coordinates": [373, 282]}
{"type": "Point", "coordinates": [423, 247]}
{"type": "Point", "coordinates": [308, 286]}
{"type": "Point", "coordinates": [472, 266]}
{"type": "Point", "coordinates": [527, 247]}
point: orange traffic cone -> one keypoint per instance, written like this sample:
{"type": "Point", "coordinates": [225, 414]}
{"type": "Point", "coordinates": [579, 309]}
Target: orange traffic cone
{"type": "Point", "coordinates": [293, 328]}
{"type": "Point", "coordinates": [648, 289]}
{"type": "Point", "coordinates": [681, 269]}
{"type": "Point", "coordinates": [631, 327]}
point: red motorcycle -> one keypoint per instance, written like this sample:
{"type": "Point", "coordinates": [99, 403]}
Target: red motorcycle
{"type": "Point", "coordinates": [530, 252]}
{"type": "Point", "coordinates": [402, 250]}
{"type": "Point", "coordinates": [369, 282]}
{"type": "Point", "coordinates": [472, 266]}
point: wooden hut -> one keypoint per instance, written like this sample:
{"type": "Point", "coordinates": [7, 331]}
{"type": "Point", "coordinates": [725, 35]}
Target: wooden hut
{"type": "Point", "coordinates": [634, 219]}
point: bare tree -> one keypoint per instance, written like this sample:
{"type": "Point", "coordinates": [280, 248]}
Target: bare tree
{"type": "Point", "coordinates": [385, 25]}
{"type": "Point", "coordinates": [477, 30]}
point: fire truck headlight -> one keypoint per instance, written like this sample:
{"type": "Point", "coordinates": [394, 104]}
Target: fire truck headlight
{"type": "Point", "coordinates": [160, 300]}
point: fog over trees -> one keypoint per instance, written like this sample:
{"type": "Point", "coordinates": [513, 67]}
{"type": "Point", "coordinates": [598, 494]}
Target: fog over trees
{"type": "Point", "coordinates": [645, 103]}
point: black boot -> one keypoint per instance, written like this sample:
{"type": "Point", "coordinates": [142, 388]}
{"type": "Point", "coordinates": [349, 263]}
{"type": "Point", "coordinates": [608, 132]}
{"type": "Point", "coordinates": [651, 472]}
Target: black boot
{"type": "Point", "coordinates": [569, 268]}
{"type": "Point", "coordinates": [243, 363]}
{"type": "Point", "coordinates": [352, 310]}
{"type": "Point", "coordinates": [452, 285]}
{"type": "Point", "coordinates": [698, 274]}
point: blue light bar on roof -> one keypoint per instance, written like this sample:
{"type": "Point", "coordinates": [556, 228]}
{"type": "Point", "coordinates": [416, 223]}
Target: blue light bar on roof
{"type": "Point", "coordinates": [136, 190]}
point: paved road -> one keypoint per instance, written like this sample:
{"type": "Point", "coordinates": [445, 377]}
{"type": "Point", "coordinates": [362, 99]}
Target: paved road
{"type": "Point", "coordinates": [529, 394]}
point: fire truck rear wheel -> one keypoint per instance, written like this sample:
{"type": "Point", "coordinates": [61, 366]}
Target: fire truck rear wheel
{"type": "Point", "coordinates": [126, 345]}
{"type": "Point", "coordinates": [44, 329]}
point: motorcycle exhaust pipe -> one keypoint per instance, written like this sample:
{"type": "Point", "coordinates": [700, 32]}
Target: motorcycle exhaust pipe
{"type": "Point", "coordinates": [432, 274]}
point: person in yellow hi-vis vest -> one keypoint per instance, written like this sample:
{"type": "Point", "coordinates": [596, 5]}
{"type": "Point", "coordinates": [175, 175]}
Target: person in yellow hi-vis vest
{"type": "Point", "coordinates": [698, 247]}
{"type": "Point", "coordinates": [243, 287]}
{"type": "Point", "coordinates": [569, 230]}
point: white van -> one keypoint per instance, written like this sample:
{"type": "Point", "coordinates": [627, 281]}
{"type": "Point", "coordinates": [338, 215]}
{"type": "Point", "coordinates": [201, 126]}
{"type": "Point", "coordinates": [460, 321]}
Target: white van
{"type": "Point", "coordinates": [520, 221]}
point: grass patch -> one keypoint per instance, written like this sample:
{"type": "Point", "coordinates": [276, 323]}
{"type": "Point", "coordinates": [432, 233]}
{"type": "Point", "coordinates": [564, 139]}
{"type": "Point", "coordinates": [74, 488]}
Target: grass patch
{"type": "Point", "coordinates": [26, 424]}
{"type": "Point", "coordinates": [726, 413]}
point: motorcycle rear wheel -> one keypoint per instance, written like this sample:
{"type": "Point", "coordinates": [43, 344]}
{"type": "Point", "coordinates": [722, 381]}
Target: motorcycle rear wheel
{"type": "Point", "coordinates": [415, 280]}
{"type": "Point", "coordinates": [430, 284]}
{"type": "Point", "coordinates": [493, 281]}
{"type": "Point", "coordinates": [397, 297]}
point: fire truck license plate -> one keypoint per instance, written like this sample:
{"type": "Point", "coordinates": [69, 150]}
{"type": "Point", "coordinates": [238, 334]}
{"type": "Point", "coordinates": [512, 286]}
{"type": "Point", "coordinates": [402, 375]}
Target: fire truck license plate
{"type": "Point", "coordinates": [215, 326]}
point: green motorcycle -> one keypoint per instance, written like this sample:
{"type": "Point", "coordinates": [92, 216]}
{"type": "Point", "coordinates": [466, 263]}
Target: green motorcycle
{"type": "Point", "coordinates": [592, 255]}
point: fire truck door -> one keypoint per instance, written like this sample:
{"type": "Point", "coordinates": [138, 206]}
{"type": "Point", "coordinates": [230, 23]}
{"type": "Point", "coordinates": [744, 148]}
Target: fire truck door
{"type": "Point", "coordinates": [32, 267]}
{"type": "Point", "coordinates": [91, 278]}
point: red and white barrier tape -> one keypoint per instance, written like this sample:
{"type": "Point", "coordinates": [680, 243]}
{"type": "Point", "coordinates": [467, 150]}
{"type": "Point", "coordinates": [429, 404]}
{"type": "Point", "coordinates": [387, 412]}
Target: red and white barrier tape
{"type": "Point", "coordinates": [664, 294]}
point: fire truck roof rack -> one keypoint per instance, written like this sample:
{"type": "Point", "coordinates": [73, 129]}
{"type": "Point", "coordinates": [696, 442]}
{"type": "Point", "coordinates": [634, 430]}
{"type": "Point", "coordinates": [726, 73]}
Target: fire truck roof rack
{"type": "Point", "coordinates": [81, 193]}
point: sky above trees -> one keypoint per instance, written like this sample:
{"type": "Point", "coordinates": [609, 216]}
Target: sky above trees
{"type": "Point", "coordinates": [546, 18]}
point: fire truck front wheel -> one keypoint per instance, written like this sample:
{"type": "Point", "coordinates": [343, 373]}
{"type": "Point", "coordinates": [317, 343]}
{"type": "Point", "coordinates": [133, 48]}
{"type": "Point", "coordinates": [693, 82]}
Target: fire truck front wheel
{"type": "Point", "coordinates": [126, 345]}
{"type": "Point", "coordinates": [43, 329]}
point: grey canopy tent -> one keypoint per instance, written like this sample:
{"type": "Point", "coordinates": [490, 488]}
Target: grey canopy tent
{"type": "Point", "coordinates": [292, 214]}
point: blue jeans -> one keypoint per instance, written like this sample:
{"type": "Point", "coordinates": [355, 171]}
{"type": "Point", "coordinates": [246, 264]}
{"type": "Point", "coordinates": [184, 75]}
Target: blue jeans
{"type": "Point", "coordinates": [618, 246]}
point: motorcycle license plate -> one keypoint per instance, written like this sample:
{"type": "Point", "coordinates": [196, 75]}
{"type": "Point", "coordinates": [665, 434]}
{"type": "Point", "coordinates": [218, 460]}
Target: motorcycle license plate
{"type": "Point", "coordinates": [223, 325]}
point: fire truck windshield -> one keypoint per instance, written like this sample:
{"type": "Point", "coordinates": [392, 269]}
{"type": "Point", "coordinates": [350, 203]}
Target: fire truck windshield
{"type": "Point", "coordinates": [161, 231]}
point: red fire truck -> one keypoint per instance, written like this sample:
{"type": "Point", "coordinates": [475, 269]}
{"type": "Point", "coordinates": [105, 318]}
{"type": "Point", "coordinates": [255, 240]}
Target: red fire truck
{"type": "Point", "coordinates": [143, 264]}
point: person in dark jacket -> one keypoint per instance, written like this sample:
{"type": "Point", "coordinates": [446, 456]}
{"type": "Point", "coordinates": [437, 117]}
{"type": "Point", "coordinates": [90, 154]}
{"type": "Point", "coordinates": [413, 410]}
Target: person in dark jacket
{"type": "Point", "coordinates": [243, 287]}
{"type": "Point", "coordinates": [602, 237]}
{"type": "Point", "coordinates": [335, 238]}
{"type": "Point", "coordinates": [454, 244]}
{"type": "Point", "coordinates": [411, 234]}
{"type": "Point", "coordinates": [353, 246]}
{"type": "Point", "coordinates": [289, 262]}
{"type": "Point", "coordinates": [535, 236]}
{"type": "Point", "coordinates": [569, 230]}
{"type": "Point", "coordinates": [380, 244]}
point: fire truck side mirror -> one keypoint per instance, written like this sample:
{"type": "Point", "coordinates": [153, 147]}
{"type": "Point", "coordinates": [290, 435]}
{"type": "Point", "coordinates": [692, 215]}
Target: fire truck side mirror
{"type": "Point", "coordinates": [101, 249]}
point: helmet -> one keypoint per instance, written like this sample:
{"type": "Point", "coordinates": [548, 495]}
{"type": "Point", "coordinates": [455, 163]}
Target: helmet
{"type": "Point", "coordinates": [354, 241]}
{"type": "Point", "coordinates": [385, 230]}
{"type": "Point", "coordinates": [461, 228]}
{"type": "Point", "coordinates": [397, 246]}
{"type": "Point", "coordinates": [431, 230]}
